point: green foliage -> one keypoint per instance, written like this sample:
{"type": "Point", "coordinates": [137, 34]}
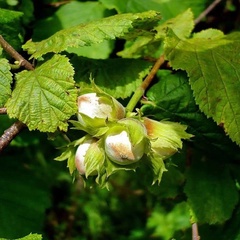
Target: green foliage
{"type": "Point", "coordinates": [45, 98]}
{"type": "Point", "coordinates": [28, 237]}
{"type": "Point", "coordinates": [118, 82]}
{"type": "Point", "coordinates": [68, 16]}
{"type": "Point", "coordinates": [5, 81]}
{"type": "Point", "coordinates": [210, 206]}
{"type": "Point", "coordinates": [95, 32]}
{"type": "Point", "coordinates": [11, 30]}
{"type": "Point", "coordinates": [116, 43]}
{"type": "Point", "coordinates": [21, 188]}
{"type": "Point", "coordinates": [214, 91]}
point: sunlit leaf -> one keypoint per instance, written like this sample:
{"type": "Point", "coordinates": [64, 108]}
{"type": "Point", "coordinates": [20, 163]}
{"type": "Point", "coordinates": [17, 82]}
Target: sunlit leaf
{"type": "Point", "coordinates": [211, 61]}
{"type": "Point", "coordinates": [5, 81]}
{"type": "Point", "coordinates": [149, 45]}
{"type": "Point", "coordinates": [68, 16]}
{"type": "Point", "coordinates": [45, 98]}
{"type": "Point", "coordinates": [95, 32]}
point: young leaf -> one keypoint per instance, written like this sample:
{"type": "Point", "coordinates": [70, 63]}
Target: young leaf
{"type": "Point", "coordinates": [211, 61]}
{"type": "Point", "coordinates": [45, 98]}
{"type": "Point", "coordinates": [158, 167]}
{"type": "Point", "coordinates": [119, 82]}
{"type": "Point", "coordinates": [5, 81]}
{"type": "Point", "coordinates": [95, 32]}
{"type": "Point", "coordinates": [211, 191]}
{"type": "Point", "coordinates": [151, 45]}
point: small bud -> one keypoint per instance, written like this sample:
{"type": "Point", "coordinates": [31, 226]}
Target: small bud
{"type": "Point", "coordinates": [126, 142]}
{"type": "Point", "coordinates": [100, 106]}
{"type": "Point", "coordinates": [166, 137]}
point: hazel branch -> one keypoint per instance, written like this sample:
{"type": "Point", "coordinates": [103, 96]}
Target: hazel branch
{"type": "Point", "coordinates": [207, 11]}
{"type": "Point", "coordinates": [195, 235]}
{"type": "Point", "coordinates": [11, 51]}
{"type": "Point", "coordinates": [142, 88]}
{"type": "Point", "coordinates": [10, 133]}
{"type": "Point", "coordinates": [3, 110]}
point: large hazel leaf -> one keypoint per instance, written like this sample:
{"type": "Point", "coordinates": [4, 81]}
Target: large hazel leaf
{"type": "Point", "coordinates": [172, 98]}
{"type": "Point", "coordinates": [45, 98]}
{"type": "Point", "coordinates": [211, 191]}
{"type": "Point", "coordinates": [95, 32]}
{"type": "Point", "coordinates": [5, 81]}
{"type": "Point", "coordinates": [212, 63]}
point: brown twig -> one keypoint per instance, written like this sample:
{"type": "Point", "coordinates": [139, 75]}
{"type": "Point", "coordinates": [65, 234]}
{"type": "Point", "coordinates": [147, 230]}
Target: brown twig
{"type": "Point", "coordinates": [3, 110]}
{"type": "Point", "coordinates": [207, 11]}
{"type": "Point", "coordinates": [11, 51]}
{"type": "Point", "coordinates": [153, 72]}
{"type": "Point", "coordinates": [145, 84]}
{"type": "Point", "coordinates": [10, 133]}
{"type": "Point", "coordinates": [195, 235]}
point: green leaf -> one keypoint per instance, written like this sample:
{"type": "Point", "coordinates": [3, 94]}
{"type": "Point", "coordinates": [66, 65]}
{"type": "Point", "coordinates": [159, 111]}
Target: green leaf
{"type": "Point", "coordinates": [211, 191]}
{"type": "Point", "coordinates": [45, 98]}
{"type": "Point", "coordinates": [210, 58]}
{"type": "Point", "coordinates": [68, 16]}
{"type": "Point", "coordinates": [152, 45]}
{"type": "Point", "coordinates": [166, 223]}
{"type": "Point", "coordinates": [28, 237]}
{"type": "Point", "coordinates": [157, 166]}
{"type": "Point", "coordinates": [27, 7]}
{"type": "Point", "coordinates": [119, 82]}
{"type": "Point", "coordinates": [172, 98]}
{"type": "Point", "coordinates": [24, 198]}
{"type": "Point", "coordinates": [5, 81]}
{"type": "Point", "coordinates": [10, 23]}
{"type": "Point", "coordinates": [94, 32]}
{"type": "Point", "coordinates": [168, 8]}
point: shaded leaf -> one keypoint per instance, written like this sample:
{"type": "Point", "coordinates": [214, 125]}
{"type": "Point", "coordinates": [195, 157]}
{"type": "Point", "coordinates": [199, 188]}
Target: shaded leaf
{"type": "Point", "coordinates": [172, 98]}
{"type": "Point", "coordinates": [5, 81]}
{"type": "Point", "coordinates": [95, 32]}
{"type": "Point", "coordinates": [211, 191]}
{"type": "Point", "coordinates": [168, 8]}
{"type": "Point", "coordinates": [210, 58]}
{"type": "Point", "coordinates": [117, 77]}
{"type": "Point", "coordinates": [24, 199]}
{"type": "Point", "coordinates": [45, 98]}
{"type": "Point", "coordinates": [11, 30]}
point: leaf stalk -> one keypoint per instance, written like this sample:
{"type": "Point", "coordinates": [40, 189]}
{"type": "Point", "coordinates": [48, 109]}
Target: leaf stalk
{"type": "Point", "coordinates": [145, 84]}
